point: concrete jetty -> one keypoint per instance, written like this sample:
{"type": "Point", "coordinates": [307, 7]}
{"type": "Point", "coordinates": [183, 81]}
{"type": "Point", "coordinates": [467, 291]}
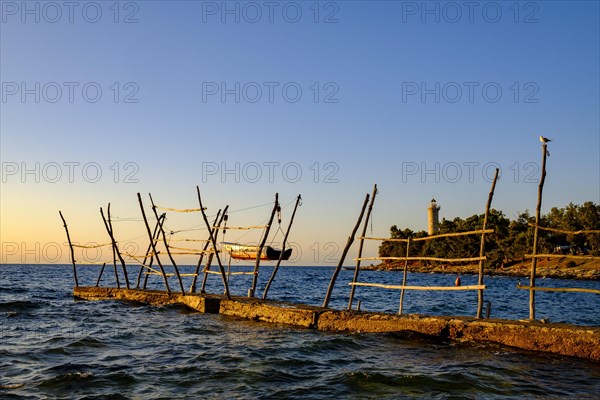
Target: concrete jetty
{"type": "Point", "coordinates": [563, 339]}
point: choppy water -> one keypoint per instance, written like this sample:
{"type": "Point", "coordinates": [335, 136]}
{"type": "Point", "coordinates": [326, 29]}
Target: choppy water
{"type": "Point", "coordinates": [52, 346]}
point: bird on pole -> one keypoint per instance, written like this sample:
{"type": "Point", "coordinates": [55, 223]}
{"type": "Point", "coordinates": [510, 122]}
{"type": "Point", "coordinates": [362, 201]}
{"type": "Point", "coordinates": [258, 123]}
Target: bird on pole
{"type": "Point", "coordinates": [545, 140]}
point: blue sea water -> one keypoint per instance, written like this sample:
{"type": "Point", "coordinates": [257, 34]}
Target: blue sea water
{"type": "Point", "coordinates": [52, 346]}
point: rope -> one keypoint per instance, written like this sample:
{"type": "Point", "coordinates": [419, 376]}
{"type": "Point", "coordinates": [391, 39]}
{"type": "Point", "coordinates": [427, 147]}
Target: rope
{"type": "Point", "coordinates": [241, 228]}
{"type": "Point", "coordinates": [94, 262]}
{"type": "Point", "coordinates": [188, 240]}
{"type": "Point", "coordinates": [194, 253]}
{"type": "Point", "coordinates": [91, 247]}
{"type": "Point", "coordinates": [151, 254]}
{"type": "Point", "coordinates": [274, 236]}
{"type": "Point", "coordinates": [201, 227]}
{"type": "Point", "coordinates": [188, 249]}
{"type": "Point", "coordinates": [182, 210]}
{"type": "Point", "coordinates": [249, 208]}
{"type": "Point", "coordinates": [229, 273]}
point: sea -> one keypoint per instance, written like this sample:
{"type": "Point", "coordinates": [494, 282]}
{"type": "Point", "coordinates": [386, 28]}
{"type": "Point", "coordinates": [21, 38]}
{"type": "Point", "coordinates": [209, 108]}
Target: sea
{"type": "Point", "coordinates": [53, 346]}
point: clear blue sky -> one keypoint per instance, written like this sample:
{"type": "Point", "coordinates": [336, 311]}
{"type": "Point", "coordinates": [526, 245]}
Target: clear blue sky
{"type": "Point", "coordinates": [423, 99]}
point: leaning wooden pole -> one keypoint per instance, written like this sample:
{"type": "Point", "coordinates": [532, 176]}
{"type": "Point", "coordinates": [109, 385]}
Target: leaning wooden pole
{"type": "Point", "coordinates": [538, 210]}
{"type": "Point", "coordinates": [211, 255]}
{"type": "Point", "coordinates": [162, 270]}
{"type": "Point", "coordinates": [114, 261]}
{"type": "Point", "coordinates": [100, 276]}
{"type": "Point", "coordinates": [360, 247]}
{"type": "Point", "coordinates": [114, 249]}
{"type": "Point", "coordinates": [148, 250]}
{"type": "Point", "coordinates": [71, 248]}
{"type": "Point", "coordinates": [214, 243]}
{"type": "Point", "coordinates": [166, 243]}
{"type": "Point", "coordinates": [482, 244]}
{"type": "Point", "coordinates": [287, 232]}
{"type": "Point", "coordinates": [218, 220]}
{"type": "Point", "coordinates": [345, 252]}
{"type": "Point", "coordinates": [207, 265]}
{"type": "Point", "coordinates": [261, 246]}
{"type": "Point", "coordinates": [121, 260]}
{"type": "Point", "coordinates": [404, 277]}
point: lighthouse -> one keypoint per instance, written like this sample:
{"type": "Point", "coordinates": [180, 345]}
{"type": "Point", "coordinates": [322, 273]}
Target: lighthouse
{"type": "Point", "coordinates": [433, 216]}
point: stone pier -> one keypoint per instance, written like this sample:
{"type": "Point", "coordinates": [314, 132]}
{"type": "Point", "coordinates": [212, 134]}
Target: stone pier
{"type": "Point", "coordinates": [568, 340]}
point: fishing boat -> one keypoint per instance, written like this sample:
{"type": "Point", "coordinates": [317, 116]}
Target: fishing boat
{"type": "Point", "coordinates": [248, 252]}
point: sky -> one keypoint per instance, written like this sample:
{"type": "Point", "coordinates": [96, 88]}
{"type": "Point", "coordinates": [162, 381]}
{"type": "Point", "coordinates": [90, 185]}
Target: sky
{"type": "Point", "coordinates": [103, 100]}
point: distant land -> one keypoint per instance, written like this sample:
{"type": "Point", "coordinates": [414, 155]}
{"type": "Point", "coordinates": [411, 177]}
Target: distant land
{"type": "Point", "coordinates": [573, 230]}
{"type": "Point", "coordinates": [561, 268]}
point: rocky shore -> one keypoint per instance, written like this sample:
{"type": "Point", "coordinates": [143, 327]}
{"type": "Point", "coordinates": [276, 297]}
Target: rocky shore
{"type": "Point", "coordinates": [561, 268]}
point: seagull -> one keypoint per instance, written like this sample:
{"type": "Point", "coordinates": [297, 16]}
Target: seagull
{"type": "Point", "coordinates": [544, 140]}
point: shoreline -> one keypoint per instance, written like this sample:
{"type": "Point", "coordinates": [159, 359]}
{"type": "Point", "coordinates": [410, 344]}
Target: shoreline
{"type": "Point", "coordinates": [553, 268]}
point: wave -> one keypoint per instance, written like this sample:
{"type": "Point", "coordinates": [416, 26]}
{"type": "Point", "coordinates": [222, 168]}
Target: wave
{"type": "Point", "coordinates": [19, 306]}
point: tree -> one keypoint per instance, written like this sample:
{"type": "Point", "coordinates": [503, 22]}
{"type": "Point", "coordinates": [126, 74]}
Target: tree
{"type": "Point", "coordinates": [510, 241]}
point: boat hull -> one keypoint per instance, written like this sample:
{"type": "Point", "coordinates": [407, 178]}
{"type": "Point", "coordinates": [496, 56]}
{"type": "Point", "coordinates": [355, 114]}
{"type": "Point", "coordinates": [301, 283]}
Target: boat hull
{"type": "Point", "coordinates": [245, 252]}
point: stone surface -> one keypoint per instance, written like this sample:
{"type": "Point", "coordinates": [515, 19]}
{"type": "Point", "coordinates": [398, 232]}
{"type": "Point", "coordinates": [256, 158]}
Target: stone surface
{"type": "Point", "coordinates": [568, 340]}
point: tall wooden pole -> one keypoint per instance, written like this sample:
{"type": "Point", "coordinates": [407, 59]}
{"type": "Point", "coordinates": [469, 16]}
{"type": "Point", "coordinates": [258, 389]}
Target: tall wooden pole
{"type": "Point", "coordinates": [260, 247]}
{"type": "Point", "coordinates": [162, 270]}
{"type": "Point", "coordinates": [70, 247]}
{"type": "Point", "coordinates": [482, 244]}
{"type": "Point", "coordinates": [214, 243]}
{"type": "Point", "coordinates": [404, 276]}
{"type": "Point", "coordinates": [344, 253]}
{"type": "Point", "coordinates": [287, 232]}
{"type": "Point", "coordinates": [166, 243]}
{"type": "Point", "coordinates": [360, 247]}
{"type": "Point", "coordinates": [538, 210]}
{"type": "Point", "coordinates": [218, 220]}
{"type": "Point", "coordinates": [155, 237]}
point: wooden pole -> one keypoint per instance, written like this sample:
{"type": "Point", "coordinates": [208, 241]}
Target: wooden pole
{"type": "Point", "coordinates": [422, 288]}
{"type": "Point", "coordinates": [217, 222]}
{"type": "Point", "coordinates": [155, 238]}
{"type": "Point", "coordinates": [482, 244]}
{"type": "Point", "coordinates": [344, 253]}
{"type": "Point", "coordinates": [404, 277]}
{"type": "Point", "coordinates": [430, 237]}
{"type": "Point", "coordinates": [113, 248]}
{"type": "Point", "coordinates": [214, 243]}
{"type": "Point", "coordinates": [164, 236]}
{"type": "Point", "coordinates": [538, 210]}
{"type": "Point", "coordinates": [162, 270]}
{"type": "Point", "coordinates": [100, 276]}
{"type": "Point", "coordinates": [287, 232]}
{"type": "Point", "coordinates": [448, 260]}
{"type": "Point", "coordinates": [210, 257]}
{"type": "Point", "coordinates": [260, 247]}
{"type": "Point", "coordinates": [360, 247]}
{"type": "Point", "coordinates": [117, 247]}
{"type": "Point", "coordinates": [114, 258]}
{"type": "Point", "coordinates": [551, 289]}
{"type": "Point", "coordinates": [70, 247]}
{"type": "Point", "coordinates": [209, 260]}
